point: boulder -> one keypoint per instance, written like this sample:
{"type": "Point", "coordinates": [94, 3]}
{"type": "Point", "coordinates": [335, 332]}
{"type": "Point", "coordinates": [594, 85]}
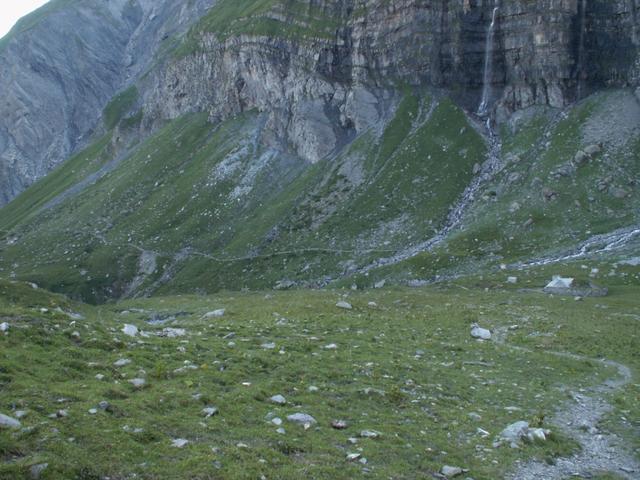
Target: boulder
{"type": "Point", "coordinates": [480, 333]}
{"type": "Point", "coordinates": [8, 422]}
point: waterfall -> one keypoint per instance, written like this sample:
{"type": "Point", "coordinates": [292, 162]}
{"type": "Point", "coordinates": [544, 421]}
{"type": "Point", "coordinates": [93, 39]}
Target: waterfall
{"type": "Point", "coordinates": [581, 53]}
{"type": "Point", "coordinates": [488, 66]}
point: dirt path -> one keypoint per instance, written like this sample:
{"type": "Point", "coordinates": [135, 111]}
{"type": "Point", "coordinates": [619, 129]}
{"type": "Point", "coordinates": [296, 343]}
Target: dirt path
{"type": "Point", "coordinates": [579, 419]}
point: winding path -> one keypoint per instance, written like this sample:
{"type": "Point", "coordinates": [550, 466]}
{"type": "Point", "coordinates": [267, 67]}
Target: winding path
{"type": "Point", "coordinates": [579, 418]}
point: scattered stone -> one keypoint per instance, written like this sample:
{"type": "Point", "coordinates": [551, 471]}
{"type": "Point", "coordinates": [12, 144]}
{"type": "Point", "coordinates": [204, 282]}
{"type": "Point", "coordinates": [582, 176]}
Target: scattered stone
{"type": "Point", "coordinates": [568, 286]}
{"type": "Point", "coordinates": [62, 414]}
{"type": "Point", "coordinates": [593, 150]}
{"type": "Point", "coordinates": [344, 305]}
{"type": "Point", "coordinates": [302, 419]}
{"type": "Point", "coordinates": [480, 333]}
{"type": "Point", "coordinates": [268, 346]}
{"type": "Point", "coordinates": [20, 414]}
{"type": "Point", "coordinates": [37, 470]}
{"type": "Point", "coordinates": [352, 440]}
{"type": "Point", "coordinates": [215, 313]}
{"type": "Point", "coordinates": [179, 442]}
{"type": "Point", "coordinates": [476, 417]}
{"type": "Point", "coordinates": [520, 431]}
{"type": "Point", "coordinates": [130, 330]}
{"type": "Point", "coordinates": [279, 399]}
{"type": "Point", "coordinates": [99, 376]}
{"type": "Point", "coordinates": [209, 411]}
{"type": "Point", "coordinates": [352, 457]}
{"type": "Point", "coordinates": [93, 411]}
{"type": "Point", "coordinates": [104, 405]}
{"type": "Point", "coordinates": [277, 421]}
{"type": "Point", "coordinates": [331, 346]}
{"type": "Point", "coordinates": [4, 327]}
{"type": "Point", "coordinates": [313, 389]}
{"type": "Point", "coordinates": [451, 472]}
{"type": "Point", "coordinates": [512, 280]}
{"type": "Point", "coordinates": [122, 362]}
{"type": "Point", "coordinates": [138, 382]}
{"type": "Point", "coordinates": [172, 332]}
{"type": "Point", "coordinates": [281, 431]}
{"type": "Point", "coordinates": [580, 158]}
{"type": "Point", "coordinates": [370, 434]}
{"type": "Point", "coordinates": [8, 422]}
{"type": "Point", "coordinates": [372, 304]}
{"type": "Point", "coordinates": [380, 284]}
{"type": "Point", "coordinates": [339, 424]}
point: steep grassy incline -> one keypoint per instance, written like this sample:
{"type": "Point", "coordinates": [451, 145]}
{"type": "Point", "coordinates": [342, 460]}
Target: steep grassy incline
{"type": "Point", "coordinates": [202, 208]}
{"type": "Point", "coordinates": [563, 178]}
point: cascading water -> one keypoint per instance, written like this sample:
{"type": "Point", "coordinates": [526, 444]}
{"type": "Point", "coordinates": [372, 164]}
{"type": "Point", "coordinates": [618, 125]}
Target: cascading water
{"type": "Point", "coordinates": [488, 66]}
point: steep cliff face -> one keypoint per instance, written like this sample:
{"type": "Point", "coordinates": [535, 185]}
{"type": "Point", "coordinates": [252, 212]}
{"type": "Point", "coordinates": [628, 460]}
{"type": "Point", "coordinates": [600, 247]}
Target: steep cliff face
{"type": "Point", "coordinates": [327, 70]}
{"type": "Point", "coordinates": [61, 65]}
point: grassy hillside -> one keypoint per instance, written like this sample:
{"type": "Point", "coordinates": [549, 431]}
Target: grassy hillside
{"type": "Point", "coordinates": [405, 367]}
{"type": "Point", "coordinates": [210, 208]}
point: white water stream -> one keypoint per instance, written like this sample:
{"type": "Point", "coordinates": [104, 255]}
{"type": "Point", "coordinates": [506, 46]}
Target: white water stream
{"type": "Point", "coordinates": [488, 66]}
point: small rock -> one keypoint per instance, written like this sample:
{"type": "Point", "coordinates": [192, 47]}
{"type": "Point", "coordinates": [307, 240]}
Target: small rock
{"type": "Point", "coordinates": [104, 405]}
{"type": "Point", "coordinates": [451, 472]}
{"type": "Point", "coordinates": [536, 435]}
{"type": "Point", "coordinates": [380, 284]}
{"type": "Point", "coordinates": [130, 330]}
{"type": "Point", "coordinates": [138, 382]}
{"type": "Point", "coordinates": [4, 327]}
{"type": "Point", "coordinates": [276, 421]}
{"type": "Point", "coordinates": [372, 304]}
{"type": "Point", "coordinates": [352, 457]}
{"type": "Point", "coordinates": [93, 411]}
{"type": "Point", "coordinates": [20, 414]}
{"type": "Point", "coordinates": [36, 470]}
{"type": "Point", "coordinates": [339, 424]}
{"type": "Point", "coordinates": [209, 411]}
{"type": "Point", "coordinates": [281, 431]}
{"type": "Point", "coordinates": [313, 389]}
{"type": "Point", "coordinates": [344, 305]}
{"type": "Point", "coordinates": [331, 346]}
{"type": "Point", "coordinates": [268, 346]}
{"type": "Point", "coordinates": [370, 434]}
{"type": "Point", "coordinates": [476, 417]}
{"type": "Point", "coordinates": [481, 333]}
{"type": "Point", "coordinates": [593, 150]}
{"type": "Point", "coordinates": [515, 432]}
{"type": "Point", "coordinates": [302, 419]}
{"type": "Point", "coordinates": [122, 362]}
{"type": "Point", "coordinates": [8, 422]}
{"type": "Point", "coordinates": [179, 442]}
{"type": "Point", "coordinates": [512, 280]}
{"type": "Point", "coordinates": [99, 376]}
{"type": "Point", "coordinates": [172, 332]}
{"type": "Point", "coordinates": [62, 414]}
{"type": "Point", "coordinates": [279, 399]}
{"type": "Point", "coordinates": [215, 313]}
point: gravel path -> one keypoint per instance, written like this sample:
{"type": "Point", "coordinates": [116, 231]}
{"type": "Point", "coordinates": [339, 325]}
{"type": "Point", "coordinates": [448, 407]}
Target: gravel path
{"type": "Point", "coordinates": [579, 419]}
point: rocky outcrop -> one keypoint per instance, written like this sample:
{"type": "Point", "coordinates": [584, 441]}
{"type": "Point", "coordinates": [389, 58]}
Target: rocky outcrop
{"type": "Point", "coordinates": [58, 72]}
{"type": "Point", "coordinates": [321, 91]}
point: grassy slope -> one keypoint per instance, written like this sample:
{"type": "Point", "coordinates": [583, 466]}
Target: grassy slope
{"type": "Point", "coordinates": [170, 195]}
{"type": "Point", "coordinates": [422, 414]}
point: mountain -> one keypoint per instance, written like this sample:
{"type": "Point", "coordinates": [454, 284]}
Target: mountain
{"type": "Point", "coordinates": [266, 143]}
{"type": "Point", "coordinates": [60, 67]}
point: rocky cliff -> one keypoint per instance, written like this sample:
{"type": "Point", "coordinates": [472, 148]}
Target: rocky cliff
{"type": "Point", "coordinates": [327, 71]}
{"type": "Point", "coordinates": [323, 70]}
{"type": "Point", "coordinates": [61, 65]}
